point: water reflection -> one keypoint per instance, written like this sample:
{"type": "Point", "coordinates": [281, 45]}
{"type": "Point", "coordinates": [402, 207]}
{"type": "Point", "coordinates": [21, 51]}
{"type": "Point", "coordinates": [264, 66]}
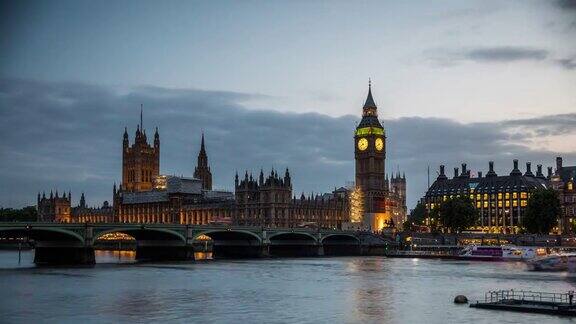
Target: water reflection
{"type": "Point", "coordinates": [319, 290]}
{"type": "Point", "coordinates": [115, 256]}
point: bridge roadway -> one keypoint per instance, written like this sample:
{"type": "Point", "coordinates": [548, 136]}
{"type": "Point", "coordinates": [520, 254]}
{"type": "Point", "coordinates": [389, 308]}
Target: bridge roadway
{"type": "Point", "coordinates": [73, 243]}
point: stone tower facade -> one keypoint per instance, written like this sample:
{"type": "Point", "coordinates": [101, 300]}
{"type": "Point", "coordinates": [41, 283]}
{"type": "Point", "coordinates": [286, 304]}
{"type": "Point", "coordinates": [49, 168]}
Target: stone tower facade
{"type": "Point", "coordinates": [55, 208]}
{"type": "Point", "coordinates": [370, 156]}
{"type": "Point", "coordinates": [140, 161]}
{"type": "Point", "coordinates": [202, 170]}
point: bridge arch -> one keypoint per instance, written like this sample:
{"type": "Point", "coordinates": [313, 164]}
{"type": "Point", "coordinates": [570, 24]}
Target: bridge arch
{"type": "Point", "coordinates": [230, 243]}
{"type": "Point", "coordinates": [225, 234]}
{"type": "Point", "coordinates": [145, 233]}
{"type": "Point", "coordinates": [341, 244]}
{"type": "Point", "coordinates": [292, 235]}
{"type": "Point", "coordinates": [340, 237]}
{"type": "Point", "coordinates": [44, 233]}
{"type": "Point", "coordinates": [293, 244]}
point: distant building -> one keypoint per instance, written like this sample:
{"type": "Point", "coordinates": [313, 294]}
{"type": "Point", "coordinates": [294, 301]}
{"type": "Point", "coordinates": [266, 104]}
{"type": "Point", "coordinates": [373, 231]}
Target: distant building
{"type": "Point", "coordinates": [269, 202]}
{"type": "Point", "coordinates": [383, 202]}
{"type": "Point", "coordinates": [176, 200]}
{"type": "Point", "coordinates": [84, 214]}
{"type": "Point", "coordinates": [55, 208]}
{"type": "Point", "coordinates": [202, 170]}
{"type": "Point", "coordinates": [59, 209]}
{"type": "Point", "coordinates": [500, 200]}
{"type": "Point", "coordinates": [140, 161]}
{"type": "Point", "coordinates": [563, 181]}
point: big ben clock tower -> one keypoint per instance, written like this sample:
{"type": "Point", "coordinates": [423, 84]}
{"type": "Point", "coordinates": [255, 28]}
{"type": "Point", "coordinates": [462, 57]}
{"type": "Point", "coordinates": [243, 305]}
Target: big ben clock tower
{"type": "Point", "coordinates": [370, 154]}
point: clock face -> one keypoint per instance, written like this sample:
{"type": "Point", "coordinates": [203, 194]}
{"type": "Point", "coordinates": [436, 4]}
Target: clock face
{"type": "Point", "coordinates": [379, 144]}
{"type": "Point", "coordinates": [362, 144]}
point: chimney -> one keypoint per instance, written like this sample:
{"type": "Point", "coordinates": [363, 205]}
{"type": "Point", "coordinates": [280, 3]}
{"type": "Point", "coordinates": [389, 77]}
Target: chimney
{"type": "Point", "coordinates": [549, 172]}
{"type": "Point", "coordinates": [529, 170]}
{"type": "Point", "coordinates": [479, 174]}
{"type": "Point", "coordinates": [558, 164]}
{"type": "Point", "coordinates": [491, 172]}
{"type": "Point", "coordinates": [465, 172]}
{"type": "Point", "coordinates": [515, 171]}
{"type": "Point", "coordinates": [442, 175]}
{"type": "Point", "coordinates": [539, 173]}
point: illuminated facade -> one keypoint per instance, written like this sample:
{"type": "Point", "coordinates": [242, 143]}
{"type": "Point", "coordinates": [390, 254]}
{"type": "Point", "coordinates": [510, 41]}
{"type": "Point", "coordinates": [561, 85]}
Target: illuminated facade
{"type": "Point", "coordinates": [140, 161]}
{"type": "Point", "coordinates": [269, 202]}
{"type": "Point", "coordinates": [58, 209]}
{"type": "Point", "coordinates": [175, 200]}
{"type": "Point", "coordinates": [202, 170]}
{"type": "Point", "coordinates": [500, 200]}
{"type": "Point", "coordinates": [384, 202]}
{"type": "Point", "coordinates": [563, 181]}
{"type": "Point", "coordinates": [55, 208]}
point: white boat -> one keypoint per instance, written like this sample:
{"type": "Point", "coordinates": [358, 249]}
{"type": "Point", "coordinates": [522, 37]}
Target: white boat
{"type": "Point", "coordinates": [554, 262]}
{"type": "Point", "coordinates": [500, 253]}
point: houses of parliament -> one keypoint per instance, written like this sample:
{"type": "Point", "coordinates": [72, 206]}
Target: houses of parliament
{"type": "Point", "coordinates": [266, 199]}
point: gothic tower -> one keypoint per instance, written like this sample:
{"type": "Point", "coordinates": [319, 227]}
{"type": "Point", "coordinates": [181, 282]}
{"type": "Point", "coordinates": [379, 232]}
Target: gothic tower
{"type": "Point", "coordinates": [202, 170]}
{"type": "Point", "coordinates": [370, 155]}
{"type": "Point", "coordinates": [141, 161]}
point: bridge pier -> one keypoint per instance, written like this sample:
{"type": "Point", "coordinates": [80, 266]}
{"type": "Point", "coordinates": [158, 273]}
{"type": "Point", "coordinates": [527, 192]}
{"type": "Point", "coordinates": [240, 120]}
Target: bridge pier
{"type": "Point", "coordinates": [225, 251]}
{"type": "Point", "coordinates": [64, 255]}
{"type": "Point", "coordinates": [163, 251]}
{"type": "Point", "coordinates": [294, 250]}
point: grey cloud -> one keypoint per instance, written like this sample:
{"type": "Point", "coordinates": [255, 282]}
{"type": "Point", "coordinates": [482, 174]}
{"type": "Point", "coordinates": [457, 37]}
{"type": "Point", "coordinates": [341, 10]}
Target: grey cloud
{"type": "Point", "coordinates": [68, 136]}
{"type": "Point", "coordinates": [505, 54]}
{"type": "Point", "coordinates": [566, 4]}
{"type": "Point", "coordinates": [567, 63]}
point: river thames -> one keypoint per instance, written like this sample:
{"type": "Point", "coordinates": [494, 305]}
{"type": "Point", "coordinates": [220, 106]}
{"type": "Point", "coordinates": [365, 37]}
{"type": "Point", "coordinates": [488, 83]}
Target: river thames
{"type": "Point", "coordinates": [307, 290]}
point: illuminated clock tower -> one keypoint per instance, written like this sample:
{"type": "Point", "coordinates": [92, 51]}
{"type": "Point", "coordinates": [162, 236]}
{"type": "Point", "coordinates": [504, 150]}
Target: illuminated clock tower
{"type": "Point", "coordinates": [370, 154]}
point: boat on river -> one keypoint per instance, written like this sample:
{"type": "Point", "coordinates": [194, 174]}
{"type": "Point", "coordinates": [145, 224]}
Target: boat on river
{"type": "Point", "coordinates": [554, 262]}
{"type": "Point", "coordinates": [499, 253]}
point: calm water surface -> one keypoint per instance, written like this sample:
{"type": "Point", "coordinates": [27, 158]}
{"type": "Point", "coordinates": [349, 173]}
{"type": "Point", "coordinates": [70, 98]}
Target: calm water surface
{"type": "Point", "coordinates": [315, 290]}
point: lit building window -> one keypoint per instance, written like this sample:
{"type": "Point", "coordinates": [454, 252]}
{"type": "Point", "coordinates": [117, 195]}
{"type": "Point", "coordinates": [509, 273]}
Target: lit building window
{"type": "Point", "coordinates": [507, 196]}
{"type": "Point", "coordinates": [478, 204]}
{"type": "Point", "coordinates": [485, 204]}
{"type": "Point", "coordinates": [472, 197]}
{"type": "Point", "coordinates": [499, 196]}
{"type": "Point", "coordinates": [478, 196]}
{"type": "Point", "coordinates": [507, 203]}
{"type": "Point", "coordinates": [515, 203]}
{"type": "Point", "coordinates": [485, 196]}
{"type": "Point", "coordinates": [523, 203]}
{"type": "Point", "coordinates": [514, 195]}
{"type": "Point", "coordinates": [570, 186]}
{"type": "Point", "coordinates": [523, 195]}
{"type": "Point", "coordinates": [499, 203]}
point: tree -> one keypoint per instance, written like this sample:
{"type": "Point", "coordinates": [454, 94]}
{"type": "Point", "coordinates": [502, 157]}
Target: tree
{"type": "Point", "coordinates": [26, 214]}
{"type": "Point", "coordinates": [418, 214]}
{"type": "Point", "coordinates": [542, 211]}
{"type": "Point", "coordinates": [456, 214]}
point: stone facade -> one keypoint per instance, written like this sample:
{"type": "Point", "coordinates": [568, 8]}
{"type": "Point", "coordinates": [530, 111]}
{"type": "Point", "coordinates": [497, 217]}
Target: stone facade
{"type": "Point", "coordinates": [202, 170]}
{"type": "Point", "coordinates": [384, 201]}
{"type": "Point", "coordinates": [54, 208]}
{"type": "Point", "coordinates": [563, 181]}
{"type": "Point", "coordinates": [140, 161]}
{"type": "Point", "coordinates": [500, 200]}
{"type": "Point", "coordinates": [269, 202]}
{"type": "Point", "coordinates": [58, 209]}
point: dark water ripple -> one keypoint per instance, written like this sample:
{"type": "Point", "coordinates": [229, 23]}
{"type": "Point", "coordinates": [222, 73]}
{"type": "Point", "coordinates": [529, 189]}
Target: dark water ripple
{"type": "Point", "coordinates": [316, 290]}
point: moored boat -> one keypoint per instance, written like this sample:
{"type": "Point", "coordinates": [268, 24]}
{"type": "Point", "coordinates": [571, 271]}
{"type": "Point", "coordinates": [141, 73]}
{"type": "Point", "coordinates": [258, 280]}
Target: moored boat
{"type": "Point", "coordinates": [554, 262]}
{"type": "Point", "coordinates": [498, 253]}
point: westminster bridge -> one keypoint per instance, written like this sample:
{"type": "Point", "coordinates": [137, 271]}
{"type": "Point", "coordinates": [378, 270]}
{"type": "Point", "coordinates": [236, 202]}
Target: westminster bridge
{"type": "Point", "coordinates": [73, 243]}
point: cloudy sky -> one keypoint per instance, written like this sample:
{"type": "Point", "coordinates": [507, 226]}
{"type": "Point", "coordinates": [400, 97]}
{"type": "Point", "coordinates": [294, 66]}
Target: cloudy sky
{"type": "Point", "coordinates": [280, 84]}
